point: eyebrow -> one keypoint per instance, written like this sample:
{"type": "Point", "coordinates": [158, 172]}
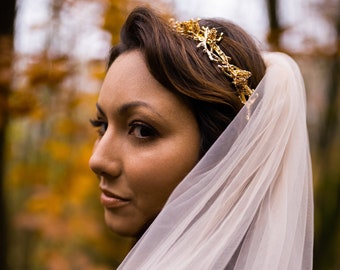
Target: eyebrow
{"type": "Point", "coordinates": [129, 106]}
{"type": "Point", "coordinates": [135, 104]}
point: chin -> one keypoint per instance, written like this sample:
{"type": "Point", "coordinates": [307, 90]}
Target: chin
{"type": "Point", "coordinates": [121, 229]}
{"type": "Point", "coordinates": [120, 226]}
{"type": "Point", "coordinates": [126, 228]}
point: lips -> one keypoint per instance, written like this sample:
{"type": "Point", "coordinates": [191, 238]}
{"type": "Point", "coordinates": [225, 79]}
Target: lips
{"type": "Point", "coordinates": [111, 200]}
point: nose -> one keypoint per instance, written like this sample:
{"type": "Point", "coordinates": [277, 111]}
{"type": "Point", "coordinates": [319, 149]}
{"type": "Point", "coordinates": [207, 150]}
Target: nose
{"type": "Point", "coordinates": [105, 159]}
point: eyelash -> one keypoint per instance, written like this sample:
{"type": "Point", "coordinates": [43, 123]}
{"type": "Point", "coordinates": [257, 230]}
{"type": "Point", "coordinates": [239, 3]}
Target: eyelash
{"type": "Point", "coordinates": [151, 131]}
{"type": "Point", "coordinates": [100, 124]}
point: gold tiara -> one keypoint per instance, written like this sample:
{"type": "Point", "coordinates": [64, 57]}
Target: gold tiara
{"type": "Point", "coordinates": [208, 39]}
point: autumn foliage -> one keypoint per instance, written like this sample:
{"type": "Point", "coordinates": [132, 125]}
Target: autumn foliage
{"type": "Point", "coordinates": [54, 217]}
{"type": "Point", "coordinates": [56, 221]}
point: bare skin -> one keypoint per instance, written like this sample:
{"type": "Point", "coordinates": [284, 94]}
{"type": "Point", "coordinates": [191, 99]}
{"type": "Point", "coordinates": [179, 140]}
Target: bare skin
{"type": "Point", "coordinates": [148, 142]}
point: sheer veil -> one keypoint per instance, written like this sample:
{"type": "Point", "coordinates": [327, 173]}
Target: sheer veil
{"type": "Point", "coordinates": [248, 203]}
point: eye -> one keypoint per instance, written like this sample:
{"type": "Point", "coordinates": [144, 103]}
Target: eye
{"type": "Point", "coordinates": [101, 126]}
{"type": "Point", "coordinates": [142, 131]}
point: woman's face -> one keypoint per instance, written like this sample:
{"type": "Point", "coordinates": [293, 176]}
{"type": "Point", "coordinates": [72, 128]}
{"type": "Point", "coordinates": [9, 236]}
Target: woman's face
{"type": "Point", "coordinates": [148, 141]}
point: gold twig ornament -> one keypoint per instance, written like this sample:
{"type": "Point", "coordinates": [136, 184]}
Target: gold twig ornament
{"type": "Point", "coordinates": [208, 39]}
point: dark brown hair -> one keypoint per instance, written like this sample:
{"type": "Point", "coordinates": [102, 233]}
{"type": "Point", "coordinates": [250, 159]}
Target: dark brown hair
{"type": "Point", "coordinates": [186, 70]}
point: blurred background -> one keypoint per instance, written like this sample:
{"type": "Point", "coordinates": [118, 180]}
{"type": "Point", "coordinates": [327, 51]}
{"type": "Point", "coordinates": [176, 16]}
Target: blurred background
{"type": "Point", "coordinates": [52, 63]}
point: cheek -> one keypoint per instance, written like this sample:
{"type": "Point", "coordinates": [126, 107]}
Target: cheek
{"type": "Point", "coordinates": [158, 173]}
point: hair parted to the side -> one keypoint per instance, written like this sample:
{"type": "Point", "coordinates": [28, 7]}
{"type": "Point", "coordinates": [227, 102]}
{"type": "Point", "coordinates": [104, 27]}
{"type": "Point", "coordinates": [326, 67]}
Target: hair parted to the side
{"type": "Point", "coordinates": [184, 69]}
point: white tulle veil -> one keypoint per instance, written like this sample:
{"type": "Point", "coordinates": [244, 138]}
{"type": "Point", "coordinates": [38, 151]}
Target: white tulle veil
{"type": "Point", "coordinates": [248, 203]}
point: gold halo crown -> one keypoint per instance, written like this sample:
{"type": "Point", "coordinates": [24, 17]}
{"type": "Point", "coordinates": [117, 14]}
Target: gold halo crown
{"type": "Point", "coordinates": [208, 39]}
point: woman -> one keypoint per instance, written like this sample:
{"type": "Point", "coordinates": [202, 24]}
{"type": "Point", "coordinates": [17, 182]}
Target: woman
{"type": "Point", "coordinates": [203, 150]}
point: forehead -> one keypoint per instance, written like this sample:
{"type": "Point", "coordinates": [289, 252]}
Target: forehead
{"type": "Point", "coordinates": [128, 69]}
{"type": "Point", "coordinates": [128, 80]}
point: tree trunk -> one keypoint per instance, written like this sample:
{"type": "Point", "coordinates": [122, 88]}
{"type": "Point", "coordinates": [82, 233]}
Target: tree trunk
{"type": "Point", "coordinates": [275, 29]}
{"type": "Point", "coordinates": [327, 201]}
{"type": "Point", "coordinates": [7, 15]}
